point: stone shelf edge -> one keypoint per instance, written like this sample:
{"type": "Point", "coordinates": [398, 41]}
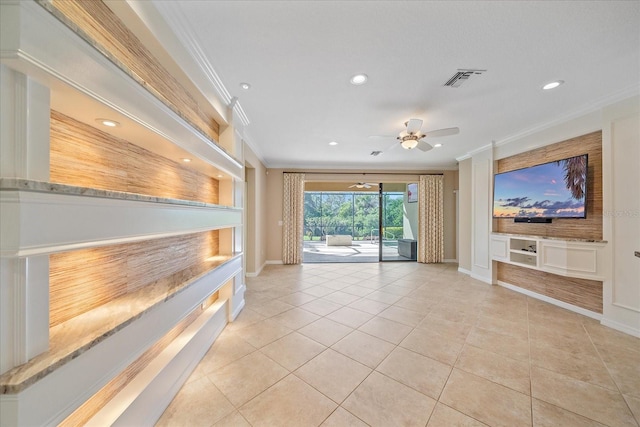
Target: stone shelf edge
{"type": "Point", "coordinates": [565, 239]}
{"type": "Point", "coordinates": [79, 217]}
{"type": "Point", "coordinates": [52, 187]}
{"type": "Point", "coordinates": [74, 337]}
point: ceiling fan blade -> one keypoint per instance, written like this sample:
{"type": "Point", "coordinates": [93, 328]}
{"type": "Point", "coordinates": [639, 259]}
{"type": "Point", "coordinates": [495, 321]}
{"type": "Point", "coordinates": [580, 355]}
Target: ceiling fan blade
{"type": "Point", "coordinates": [351, 186]}
{"type": "Point", "coordinates": [414, 125]}
{"type": "Point", "coordinates": [393, 146]}
{"type": "Point", "coordinates": [424, 146]}
{"type": "Point", "coordinates": [442, 132]}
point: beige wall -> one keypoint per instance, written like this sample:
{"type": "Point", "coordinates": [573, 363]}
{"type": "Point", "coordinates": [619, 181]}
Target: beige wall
{"type": "Point", "coordinates": [464, 218]}
{"type": "Point", "coordinates": [256, 194]}
{"type": "Point", "coordinates": [328, 180]}
{"type": "Point", "coordinates": [450, 184]}
{"type": "Point", "coordinates": [274, 215]}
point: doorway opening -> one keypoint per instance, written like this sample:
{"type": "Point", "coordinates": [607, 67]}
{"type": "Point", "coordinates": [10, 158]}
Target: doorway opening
{"type": "Point", "coordinates": [360, 226]}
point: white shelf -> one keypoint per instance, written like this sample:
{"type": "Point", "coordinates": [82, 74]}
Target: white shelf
{"type": "Point", "coordinates": [77, 221]}
{"type": "Point", "coordinates": [571, 258]}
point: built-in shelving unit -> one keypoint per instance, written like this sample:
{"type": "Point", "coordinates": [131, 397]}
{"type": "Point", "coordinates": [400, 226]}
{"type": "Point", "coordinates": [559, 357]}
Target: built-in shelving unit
{"type": "Point", "coordinates": [120, 264]}
{"type": "Point", "coordinates": [523, 251]}
{"type": "Point", "coordinates": [571, 258]}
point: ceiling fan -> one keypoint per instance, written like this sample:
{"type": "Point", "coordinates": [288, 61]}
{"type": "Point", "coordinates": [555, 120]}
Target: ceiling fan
{"type": "Point", "coordinates": [363, 185]}
{"type": "Point", "coordinates": [413, 138]}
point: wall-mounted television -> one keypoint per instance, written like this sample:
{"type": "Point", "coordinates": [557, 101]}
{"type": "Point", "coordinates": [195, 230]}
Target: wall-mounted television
{"type": "Point", "coordinates": [556, 189]}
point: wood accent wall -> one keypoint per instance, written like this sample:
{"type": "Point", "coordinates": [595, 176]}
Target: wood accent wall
{"type": "Point", "coordinates": [89, 408]}
{"type": "Point", "coordinates": [579, 292]}
{"type": "Point", "coordinates": [589, 228]}
{"type": "Point", "coordinates": [84, 156]}
{"type": "Point", "coordinates": [99, 26]}
{"type": "Point", "coordinates": [84, 279]}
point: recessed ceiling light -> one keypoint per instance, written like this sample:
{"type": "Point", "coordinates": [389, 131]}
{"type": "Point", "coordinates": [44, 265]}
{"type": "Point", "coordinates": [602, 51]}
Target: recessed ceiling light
{"type": "Point", "coordinates": [552, 85]}
{"type": "Point", "coordinates": [220, 176]}
{"type": "Point", "coordinates": [333, 143]}
{"type": "Point", "coordinates": [245, 86]}
{"type": "Point", "coordinates": [186, 160]}
{"type": "Point", "coordinates": [437, 145]}
{"type": "Point", "coordinates": [359, 79]}
{"type": "Point", "coordinates": [108, 122]}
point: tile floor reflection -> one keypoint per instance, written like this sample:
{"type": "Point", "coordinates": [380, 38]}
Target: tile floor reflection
{"type": "Point", "coordinates": [404, 344]}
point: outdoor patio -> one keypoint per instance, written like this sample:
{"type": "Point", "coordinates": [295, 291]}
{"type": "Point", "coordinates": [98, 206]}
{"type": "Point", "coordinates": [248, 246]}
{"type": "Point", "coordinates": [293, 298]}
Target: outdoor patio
{"type": "Point", "coordinates": [358, 251]}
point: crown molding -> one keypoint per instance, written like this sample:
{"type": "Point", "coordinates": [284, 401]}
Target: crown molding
{"type": "Point", "coordinates": [597, 105]}
{"type": "Point", "coordinates": [471, 153]}
{"type": "Point", "coordinates": [204, 75]}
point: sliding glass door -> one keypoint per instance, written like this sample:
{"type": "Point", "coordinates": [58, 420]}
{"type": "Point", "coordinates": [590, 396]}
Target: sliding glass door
{"type": "Point", "coordinates": [396, 234]}
{"type": "Point", "coordinates": [360, 226]}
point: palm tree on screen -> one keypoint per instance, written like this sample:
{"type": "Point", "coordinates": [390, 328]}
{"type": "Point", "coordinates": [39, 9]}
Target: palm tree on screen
{"type": "Point", "coordinates": [575, 175]}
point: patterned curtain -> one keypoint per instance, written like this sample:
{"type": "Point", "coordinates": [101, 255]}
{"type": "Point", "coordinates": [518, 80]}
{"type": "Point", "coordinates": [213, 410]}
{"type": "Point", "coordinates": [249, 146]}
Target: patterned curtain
{"type": "Point", "coordinates": [293, 218]}
{"type": "Point", "coordinates": [430, 219]}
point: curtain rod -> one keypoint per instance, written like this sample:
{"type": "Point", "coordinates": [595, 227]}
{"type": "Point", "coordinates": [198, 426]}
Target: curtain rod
{"type": "Point", "coordinates": [364, 173]}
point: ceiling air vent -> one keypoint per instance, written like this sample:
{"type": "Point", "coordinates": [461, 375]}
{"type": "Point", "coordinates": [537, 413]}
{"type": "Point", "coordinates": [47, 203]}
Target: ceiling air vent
{"type": "Point", "coordinates": [375, 153]}
{"type": "Point", "coordinates": [462, 76]}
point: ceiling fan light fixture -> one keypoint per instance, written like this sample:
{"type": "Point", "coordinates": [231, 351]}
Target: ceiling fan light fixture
{"type": "Point", "coordinates": [409, 143]}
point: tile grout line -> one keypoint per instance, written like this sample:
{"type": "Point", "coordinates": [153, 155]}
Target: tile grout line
{"type": "Point", "coordinates": [530, 363]}
{"type": "Point", "coordinates": [609, 372]}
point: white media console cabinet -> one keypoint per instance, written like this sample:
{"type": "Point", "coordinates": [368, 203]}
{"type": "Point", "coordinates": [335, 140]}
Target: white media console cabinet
{"type": "Point", "coordinates": [578, 258]}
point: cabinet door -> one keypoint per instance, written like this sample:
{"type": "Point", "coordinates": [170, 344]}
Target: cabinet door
{"type": "Point", "coordinates": [579, 260]}
{"type": "Point", "coordinates": [500, 248]}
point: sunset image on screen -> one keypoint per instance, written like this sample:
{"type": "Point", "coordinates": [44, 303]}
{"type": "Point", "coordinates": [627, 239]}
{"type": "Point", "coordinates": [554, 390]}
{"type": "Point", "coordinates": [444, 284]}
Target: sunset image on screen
{"type": "Point", "coordinates": [551, 190]}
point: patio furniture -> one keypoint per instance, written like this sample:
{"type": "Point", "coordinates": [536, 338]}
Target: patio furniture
{"type": "Point", "coordinates": [339, 240]}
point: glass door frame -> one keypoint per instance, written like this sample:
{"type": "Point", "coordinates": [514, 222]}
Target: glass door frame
{"type": "Point", "coordinates": [382, 228]}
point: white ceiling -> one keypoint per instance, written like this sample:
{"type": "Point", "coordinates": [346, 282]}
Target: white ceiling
{"type": "Point", "coordinates": [298, 57]}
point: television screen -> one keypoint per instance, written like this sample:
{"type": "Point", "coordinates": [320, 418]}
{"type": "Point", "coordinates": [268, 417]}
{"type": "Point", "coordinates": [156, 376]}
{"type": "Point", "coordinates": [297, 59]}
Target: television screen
{"type": "Point", "coordinates": [551, 190]}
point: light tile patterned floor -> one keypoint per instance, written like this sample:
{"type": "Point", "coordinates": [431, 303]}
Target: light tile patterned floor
{"type": "Point", "coordinates": [404, 344]}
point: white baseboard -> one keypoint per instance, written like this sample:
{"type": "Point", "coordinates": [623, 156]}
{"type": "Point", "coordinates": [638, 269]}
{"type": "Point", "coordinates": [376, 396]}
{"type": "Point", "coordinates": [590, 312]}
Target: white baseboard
{"type": "Point", "coordinates": [273, 261]}
{"type": "Point", "coordinates": [255, 273]}
{"type": "Point", "coordinates": [620, 327]}
{"type": "Point", "coordinates": [450, 261]}
{"type": "Point", "coordinates": [553, 301]}
{"type": "Point", "coordinates": [464, 270]}
{"type": "Point", "coordinates": [481, 278]}
{"type": "Point", "coordinates": [474, 276]}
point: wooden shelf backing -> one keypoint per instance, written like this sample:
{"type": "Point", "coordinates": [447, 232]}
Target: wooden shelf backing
{"type": "Point", "coordinates": [582, 293]}
{"type": "Point", "coordinates": [82, 280]}
{"type": "Point", "coordinates": [84, 156]}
